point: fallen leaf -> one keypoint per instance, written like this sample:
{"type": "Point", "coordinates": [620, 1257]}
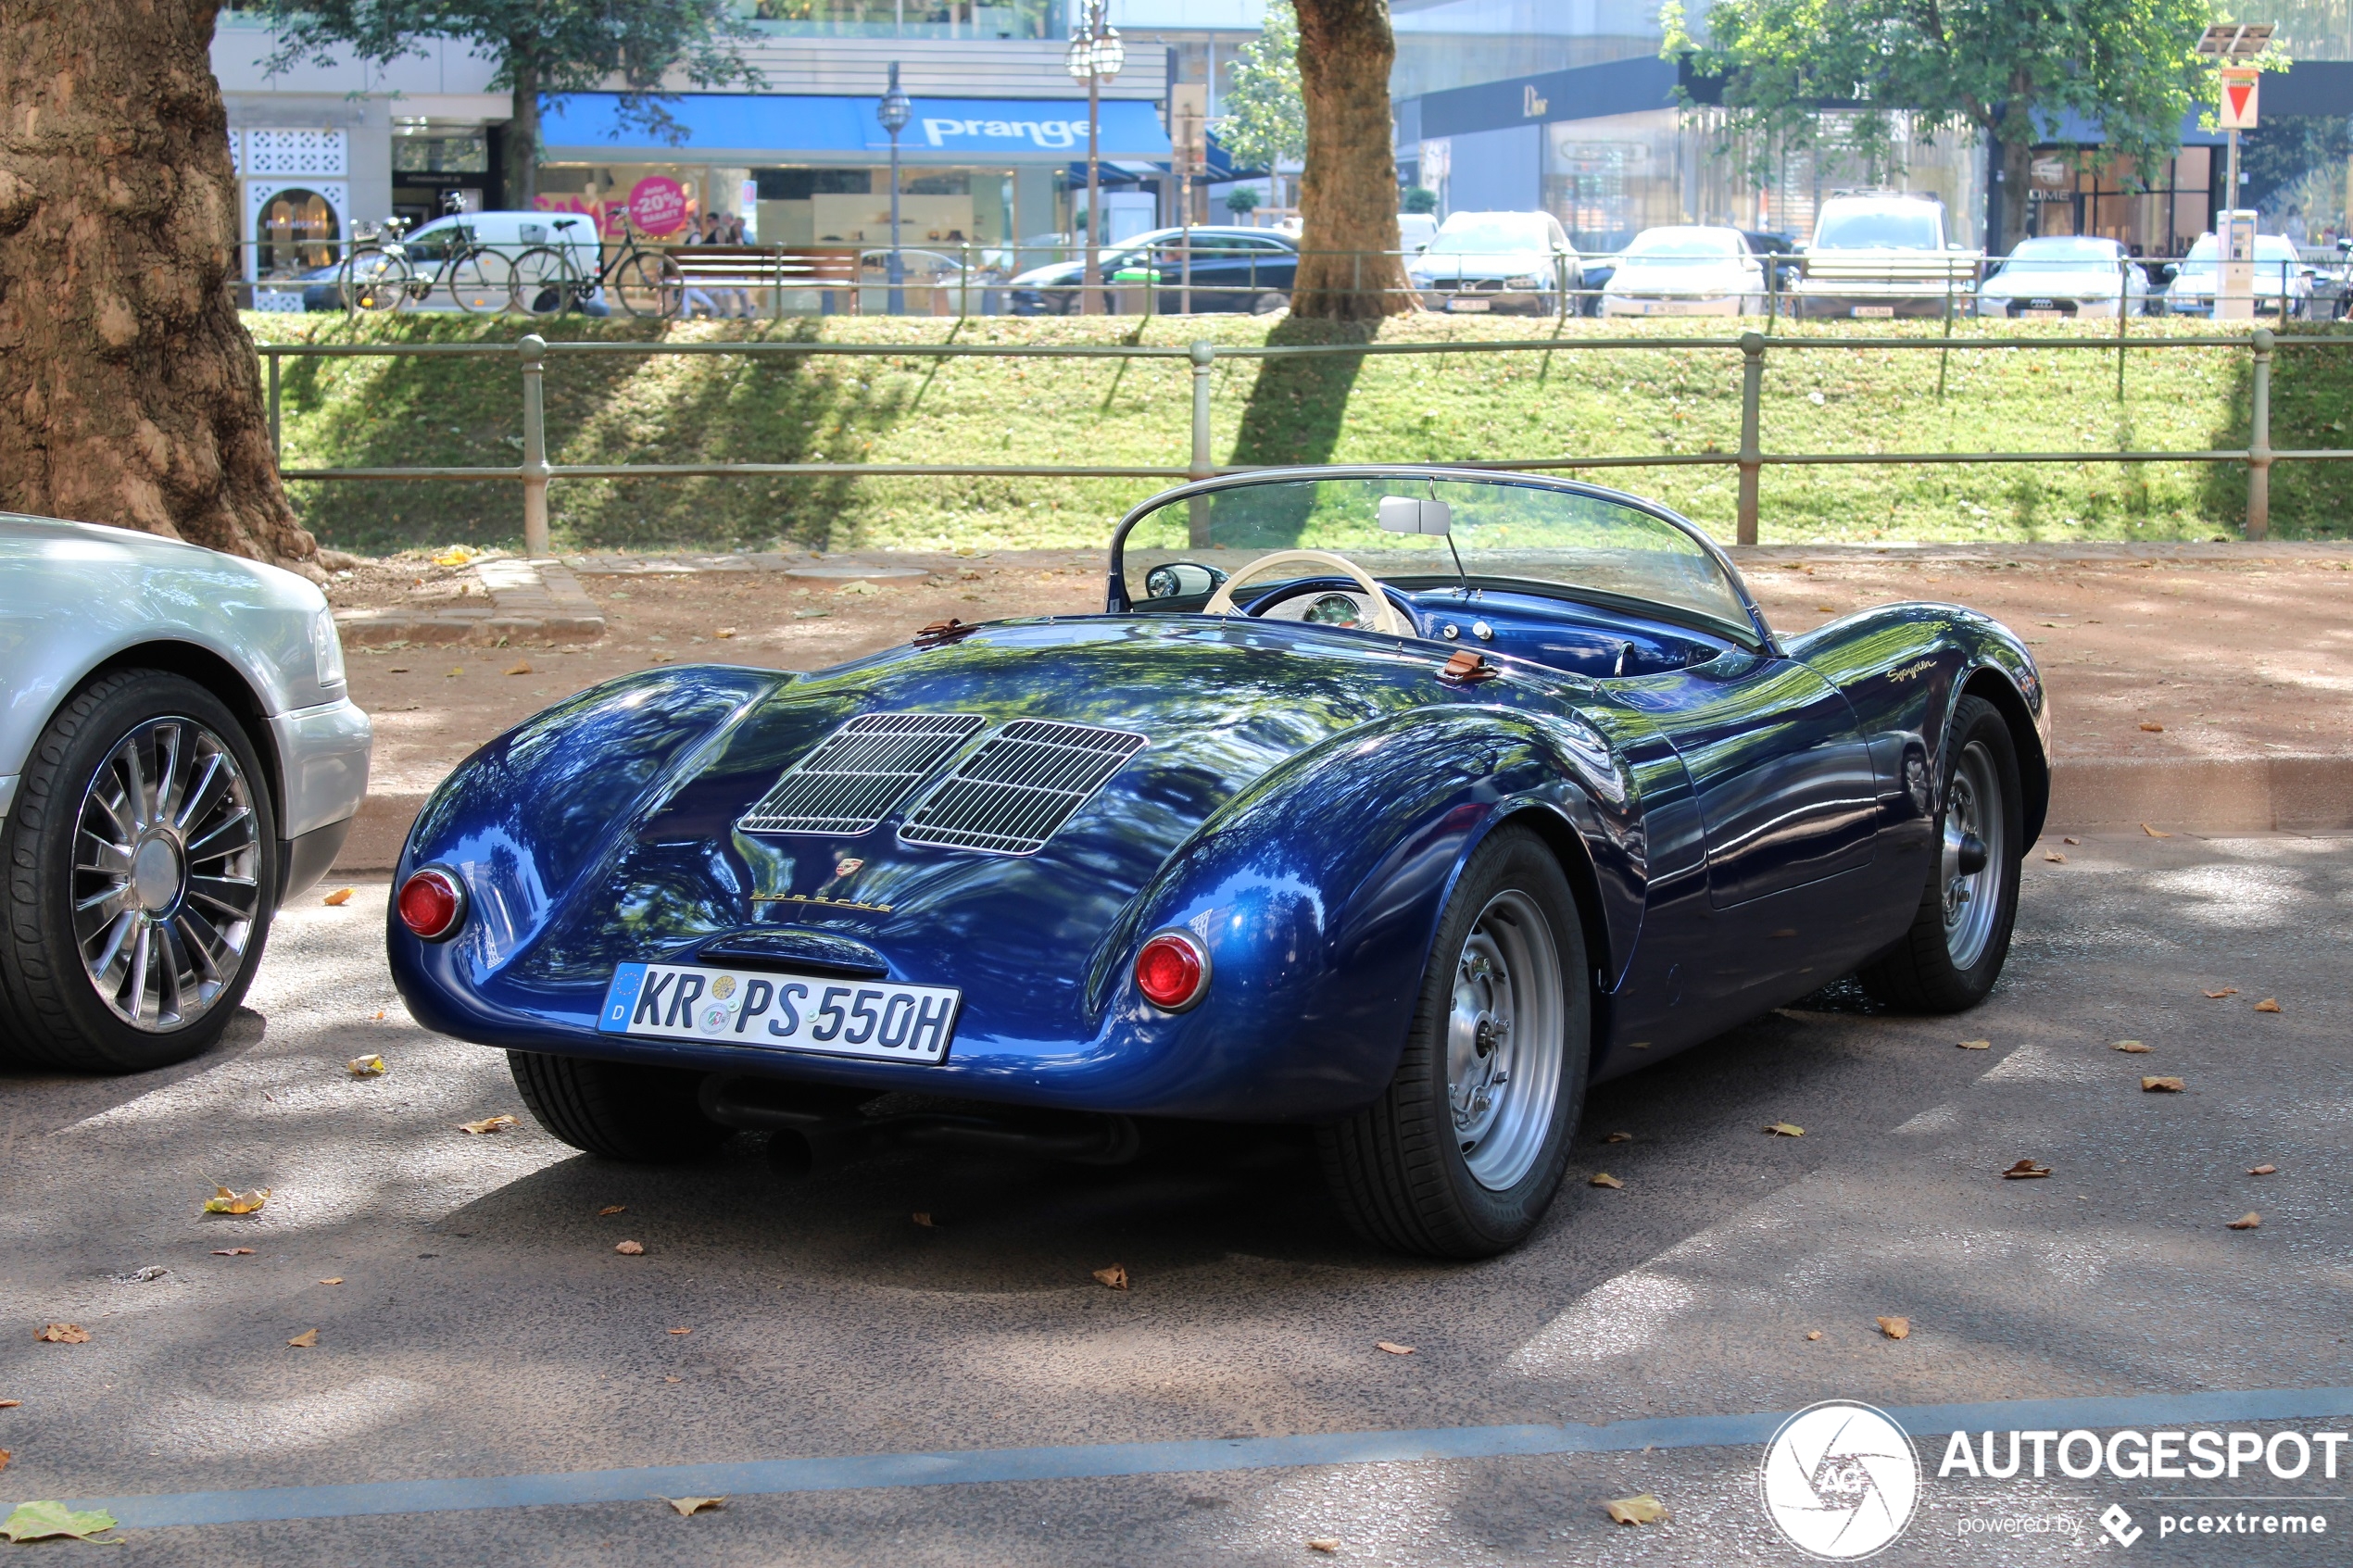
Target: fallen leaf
{"type": "Point", "coordinates": [1895, 1328]}
{"type": "Point", "coordinates": [369, 1066]}
{"type": "Point", "coordinates": [380, 1015]}
{"type": "Point", "coordinates": [1323, 1543]}
{"type": "Point", "coordinates": [487, 1124]}
{"type": "Point", "coordinates": [1393, 1349]}
{"type": "Point", "coordinates": [2269, 1004]}
{"type": "Point", "coordinates": [725, 631]}
{"type": "Point", "coordinates": [1115, 1277]}
{"type": "Point", "coordinates": [2131, 1048]}
{"type": "Point", "coordinates": [2054, 858]}
{"type": "Point", "coordinates": [2247, 1221]}
{"type": "Point", "coordinates": [1643, 1509]}
{"type": "Point", "coordinates": [923, 1218]}
{"type": "Point", "coordinates": [612, 1209]}
{"type": "Point", "coordinates": [522, 668]}
{"type": "Point", "coordinates": [307, 1340]}
{"type": "Point", "coordinates": [337, 1280]}
{"type": "Point", "coordinates": [1619, 1138]}
{"type": "Point", "coordinates": [63, 1334]}
{"type": "Point", "coordinates": [630, 1248]}
{"type": "Point", "coordinates": [2263, 1171]}
{"type": "Point", "coordinates": [2153, 833]}
{"type": "Point", "coordinates": [9, 1404]}
{"type": "Point", "coordinates": [2160, 1085]}
{"type": "Point", "coordinates": [2025, 1169]}
{"type": "Point", "coordinates": [2070, 841]}
{"type": "Point", "coordinates": [454, 670]}
{"type": "Point", "coordinates": [456, 554]}
{"type": "Point", "coordinates": [232, 1252]}
{"type": "Point", "coordinates": [1604, 1179]}
{"type": "Point", "coordinates": [691, 1506]}
{"type": "Point", "coordinates": [2154, 729]}
{"type": "Point", "coordinates": [2226, 991]}
{"type": "Point", "coordinates": [1975, 1045]}
{"type": "Point", "coordinates": [669, 1380]}
{"type": "Point", "coordinates": [1813, 1333]}
{"type": "Point", "coordinates": [5, 1457]}
{"type": "Point", "coordinates": [859, 585]}
{"type": "Point", "coordinates": [400, 670]}
{"type": "Point", "coordinates": [1786, 1130]}
{"type": "Point", "coordinates": [338, 898]}
{"type": "Point", "coordinates": [47, 1520]}
{"type": "Point", "coordinates": [687, 1330]}
{"type": "Point", "coordinates": [223, 1201]}
{"type": "Point", "coordinates": [1826, 610]}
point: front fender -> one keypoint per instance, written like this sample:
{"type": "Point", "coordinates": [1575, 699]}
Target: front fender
{"type": "Point", "coordinates": [543, 811]}
{"type": "Point", "coordinates": [1318, 893]}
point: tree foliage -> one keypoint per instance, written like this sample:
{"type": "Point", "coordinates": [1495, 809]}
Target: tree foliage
{"type": "Point", "coordinates": [1266, 122]}
{"type": "Point", "coordinates": [541, 47]}
{"type": "Point", "coordinates": [2008, 67]}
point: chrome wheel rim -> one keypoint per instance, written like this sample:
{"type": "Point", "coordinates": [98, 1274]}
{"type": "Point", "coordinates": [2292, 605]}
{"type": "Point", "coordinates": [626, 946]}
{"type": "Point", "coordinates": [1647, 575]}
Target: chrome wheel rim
{"type": "Point", "coordinates": [1972, 812]}
{"type": "Point", "coordinates": [1503, 1041]}
{"type": "Point", "coordinates": [166, 867]}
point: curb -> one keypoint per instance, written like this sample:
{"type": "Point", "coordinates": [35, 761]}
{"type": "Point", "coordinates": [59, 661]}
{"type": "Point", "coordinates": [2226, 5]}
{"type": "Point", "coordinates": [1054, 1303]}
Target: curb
{"type": "Point", "coordinates": [533, 602]}
{"type": "Point", "coordinates": [2309, 793]}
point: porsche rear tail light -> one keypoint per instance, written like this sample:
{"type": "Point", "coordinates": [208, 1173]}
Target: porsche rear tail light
{"type": "Point", "coordinates": [431, 904]}
{"type": "Point", "coordinates": [1171, 970]}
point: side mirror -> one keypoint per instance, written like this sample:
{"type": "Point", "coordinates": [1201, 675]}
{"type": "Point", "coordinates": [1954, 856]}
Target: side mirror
{"type": "Point", "coordinates": [1410, 514]}
{"type": "Point", "coordinates": [1179, 578]}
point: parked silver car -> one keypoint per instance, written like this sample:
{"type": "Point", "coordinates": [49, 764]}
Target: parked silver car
{"type": "Point", "coordinates": [2061, 275]}
{"type": "Point", "coordinates": [178, 755]}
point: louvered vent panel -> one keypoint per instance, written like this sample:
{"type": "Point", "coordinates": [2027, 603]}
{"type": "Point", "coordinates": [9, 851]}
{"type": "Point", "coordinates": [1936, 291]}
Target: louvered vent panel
{"type": "Point", "coordinates": [860, 773]}
{"type": "Point", "coordinates": [1017, 790]}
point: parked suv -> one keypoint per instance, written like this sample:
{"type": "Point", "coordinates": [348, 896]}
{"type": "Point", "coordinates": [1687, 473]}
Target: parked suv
{"type": "Point", "coordinates": [1883, 254]}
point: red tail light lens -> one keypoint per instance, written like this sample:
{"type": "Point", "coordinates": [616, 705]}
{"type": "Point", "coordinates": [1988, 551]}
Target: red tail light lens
{"type": "Point", "coordinates": [1171, 970]}
{"type": "Point", "coordinates": [431, 904]}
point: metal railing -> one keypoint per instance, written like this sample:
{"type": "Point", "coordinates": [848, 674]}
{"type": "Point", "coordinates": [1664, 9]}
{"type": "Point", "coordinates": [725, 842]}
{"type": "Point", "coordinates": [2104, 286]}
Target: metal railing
{"type": "Point", "coordinates": [536, 472]}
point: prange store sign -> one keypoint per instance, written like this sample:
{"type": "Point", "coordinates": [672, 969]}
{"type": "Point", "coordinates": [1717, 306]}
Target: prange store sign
{"type": "Point", "coordinates": [761, 129]}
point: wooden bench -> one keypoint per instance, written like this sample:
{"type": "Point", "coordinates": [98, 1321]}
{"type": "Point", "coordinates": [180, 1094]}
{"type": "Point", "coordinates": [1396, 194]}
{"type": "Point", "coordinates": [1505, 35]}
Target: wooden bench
{"type": "Point", "coordinates": [771, 270]}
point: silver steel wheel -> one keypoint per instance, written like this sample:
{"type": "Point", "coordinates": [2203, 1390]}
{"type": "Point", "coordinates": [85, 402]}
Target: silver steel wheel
{"type": "Point", "coordinates": [1974, 855]}
{"type": "Point", "coordinates": [167, 869]}
{"type": "Point", "coordinates": [1503, 1040]}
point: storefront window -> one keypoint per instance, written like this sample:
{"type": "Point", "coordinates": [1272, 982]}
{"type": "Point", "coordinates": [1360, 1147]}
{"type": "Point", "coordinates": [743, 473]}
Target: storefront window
{"type": "Point", "coordinates": [295, 232]}
{"type": "Point", "coordinates": [2070, 196]}
{"type": "Point", "coordinates": [908, 18]}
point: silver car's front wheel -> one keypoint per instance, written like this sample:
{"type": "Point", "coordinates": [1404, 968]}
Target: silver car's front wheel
{"type": "Point", "coordinates": [141, 871]}
{"type": "Point", "coordinates": [166, 874]}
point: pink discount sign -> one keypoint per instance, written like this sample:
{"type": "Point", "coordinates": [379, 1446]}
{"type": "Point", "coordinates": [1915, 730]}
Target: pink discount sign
{"type": "Point", "coordinates": [657, 204]}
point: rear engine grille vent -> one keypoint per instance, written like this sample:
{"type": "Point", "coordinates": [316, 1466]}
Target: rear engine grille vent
{"type": "Point", "coordinates": [1014, 793]}
{"type": "Point", "coordinates": [860, 773]}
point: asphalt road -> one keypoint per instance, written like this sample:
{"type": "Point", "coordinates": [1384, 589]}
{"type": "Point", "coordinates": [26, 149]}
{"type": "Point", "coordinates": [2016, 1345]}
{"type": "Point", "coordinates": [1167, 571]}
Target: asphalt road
{"type": "Point", "coordinates": [484, 1324]}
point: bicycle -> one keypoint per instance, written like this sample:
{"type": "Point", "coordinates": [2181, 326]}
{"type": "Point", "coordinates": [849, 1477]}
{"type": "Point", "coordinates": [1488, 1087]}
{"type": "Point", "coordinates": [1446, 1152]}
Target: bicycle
{"type": "Point", "coordinates": [381, 274]}
{"type": "Point", "coordinates": [646, 280]}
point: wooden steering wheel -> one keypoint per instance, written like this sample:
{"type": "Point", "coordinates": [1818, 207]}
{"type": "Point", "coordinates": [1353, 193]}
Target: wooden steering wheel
{"type": "Point", "coordinates": [1386, 618]}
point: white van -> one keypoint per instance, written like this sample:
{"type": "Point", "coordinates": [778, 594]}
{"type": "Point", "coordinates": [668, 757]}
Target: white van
{"type": "Point", "coordinates": [511, 234]}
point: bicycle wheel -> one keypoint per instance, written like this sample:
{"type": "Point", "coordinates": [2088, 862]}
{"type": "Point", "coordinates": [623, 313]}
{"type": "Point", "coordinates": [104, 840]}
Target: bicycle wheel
{"type": "Point", "coordinates": [649, 284]}
{"type": "Point", "coordinates": [483, 282]}
{"type": "Point", "coordinates": [543, 282]}
{"type": "Point", "coordinates": [374, 281]}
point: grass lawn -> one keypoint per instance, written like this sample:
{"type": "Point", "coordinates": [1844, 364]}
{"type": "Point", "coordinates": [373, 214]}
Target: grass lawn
{"type": "Point", "coordinates": [1567, 402]}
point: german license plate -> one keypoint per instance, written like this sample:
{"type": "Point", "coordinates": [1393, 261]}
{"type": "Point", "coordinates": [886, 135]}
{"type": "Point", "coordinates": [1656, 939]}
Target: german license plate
{"type": "Point", "coordinates": [824, 1015]}
{"type": "Point", "coordinates": [1460, 304]}
{"type": "Point", "coordinates": [2033, 315]}
{"type": "Point", "coordinates": [1671, 308]}
{"type": "Point", "coordinates": [1877, 312]}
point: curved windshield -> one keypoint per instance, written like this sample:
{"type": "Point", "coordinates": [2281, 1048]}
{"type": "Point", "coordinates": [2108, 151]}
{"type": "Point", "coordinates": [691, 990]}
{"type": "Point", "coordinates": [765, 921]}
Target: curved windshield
{"type": "Point", "coordinates": [2066, 248]}
{"type": "Point", "coordinates": [2268, 247]}
{"type": "Point", "coordinates": [1715, 243]}
{"type": "Point", "coordinates": [1492, 232]}
{"type": "Point", "coordinates": [1911, 226]}
{"type": "Point", "coordinates": [1554, 540]}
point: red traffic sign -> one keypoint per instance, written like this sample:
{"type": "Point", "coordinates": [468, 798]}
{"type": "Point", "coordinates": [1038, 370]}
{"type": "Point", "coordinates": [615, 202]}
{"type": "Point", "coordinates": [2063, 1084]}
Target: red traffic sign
{"type": "Point", "coordinates": [2238, 98]}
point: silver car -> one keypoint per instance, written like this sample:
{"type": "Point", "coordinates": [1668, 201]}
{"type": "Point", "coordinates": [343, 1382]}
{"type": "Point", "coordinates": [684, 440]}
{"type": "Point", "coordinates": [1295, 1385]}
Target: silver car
{"type": "Point", "coordinates": [178, 756]}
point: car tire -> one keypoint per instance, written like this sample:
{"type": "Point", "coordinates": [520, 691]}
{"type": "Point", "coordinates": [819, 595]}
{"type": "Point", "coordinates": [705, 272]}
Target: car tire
{"type": "Point", "coordinates": [1953, 953]}
{"type": "Point", "coordinates": [644, 1115]}
{"type": "Point", "coordinates": [1402, 1172]}
{"type": "Point", "coordinates": [116, 747]}
{"type": "Point", "coordinates": [1269, 304]}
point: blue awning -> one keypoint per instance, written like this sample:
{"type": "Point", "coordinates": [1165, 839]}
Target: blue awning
{"type": "Point", "coordinates": [765, 129]}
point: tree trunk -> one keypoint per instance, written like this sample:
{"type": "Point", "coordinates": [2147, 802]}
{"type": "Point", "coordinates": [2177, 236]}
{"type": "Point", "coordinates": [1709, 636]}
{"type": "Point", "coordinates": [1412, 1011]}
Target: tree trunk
{"type": "Point", "coordinates": [2017, 185]}
{"type": "Point", "coordinates": [1349, 270]}
{"type": "Point", "coordinates": [522, 134]}
{"type": "Point", "coordinates": [128, 391]}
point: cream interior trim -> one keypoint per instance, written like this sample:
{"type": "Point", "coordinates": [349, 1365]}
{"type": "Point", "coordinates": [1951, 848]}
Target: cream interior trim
{"type": "Point", "coordinates": [1385, 616]}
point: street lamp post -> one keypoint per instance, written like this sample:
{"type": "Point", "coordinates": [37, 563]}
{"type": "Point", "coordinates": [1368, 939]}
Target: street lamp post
{"type": "Point", "coordinates": [895, 111]}
{"type": "Point", "coordinates": [1096, 54]}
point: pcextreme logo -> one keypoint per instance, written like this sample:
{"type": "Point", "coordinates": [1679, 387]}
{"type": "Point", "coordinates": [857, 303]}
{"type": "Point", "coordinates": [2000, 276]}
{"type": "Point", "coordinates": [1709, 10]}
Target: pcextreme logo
{"type": "Point", "coordinates": [1840, 1480]}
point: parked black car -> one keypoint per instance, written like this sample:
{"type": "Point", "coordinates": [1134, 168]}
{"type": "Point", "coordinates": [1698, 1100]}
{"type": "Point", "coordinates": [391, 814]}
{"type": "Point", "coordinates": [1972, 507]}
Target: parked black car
{"type": "Point", "coordinates": [1234, 268]}
{"type": "Point", "coordinates": [1778, 252]}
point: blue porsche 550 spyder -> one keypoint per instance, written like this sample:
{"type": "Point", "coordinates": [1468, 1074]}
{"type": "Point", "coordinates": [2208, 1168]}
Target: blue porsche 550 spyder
{"type": "Point", "coordinates": [1402, 802]}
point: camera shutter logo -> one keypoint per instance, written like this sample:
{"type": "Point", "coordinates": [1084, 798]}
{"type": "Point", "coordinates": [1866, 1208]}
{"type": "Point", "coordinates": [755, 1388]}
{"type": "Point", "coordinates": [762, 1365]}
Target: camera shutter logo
{"type": "Point", "coordinates": [1840, 1480]}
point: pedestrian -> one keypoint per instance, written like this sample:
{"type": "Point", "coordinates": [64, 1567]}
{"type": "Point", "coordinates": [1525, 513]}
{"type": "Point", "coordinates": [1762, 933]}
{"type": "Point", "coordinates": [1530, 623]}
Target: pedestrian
{"type": "Point", "coordinates": [697, 234]}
